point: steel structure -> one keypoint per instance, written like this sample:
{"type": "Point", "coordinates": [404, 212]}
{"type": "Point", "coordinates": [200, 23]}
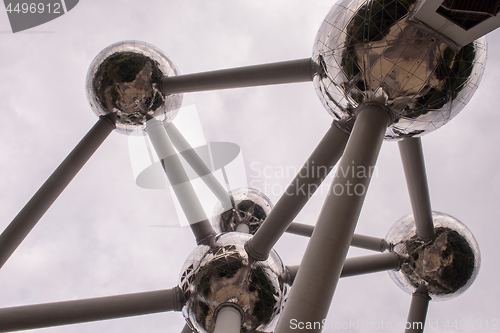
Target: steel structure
{"type": "Point", "coordinates": [353, 141]}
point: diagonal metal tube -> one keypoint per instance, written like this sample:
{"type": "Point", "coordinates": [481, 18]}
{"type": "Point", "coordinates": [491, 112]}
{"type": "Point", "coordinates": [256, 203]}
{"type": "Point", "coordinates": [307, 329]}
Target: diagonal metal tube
{"type": "Point", "coordinates": [361, 241]}
{"type": "Point", "coordinates": [412, 157]}
{"type": "Point", "coordinates": [187, 329]}
{"type": "Point", "coordinates": [41, 201]}
{"type": "Point", "coordinates": [307, 181]}
{"type": "Point", "coordinates": [371, 264]}
{"type": "Point", "coordinates": [418, 310]}
{"type": "Point", "coordinates": [91, 309]}
{"type": "Point", "coordinates": [301, 70]}
{"type": "Point", "coordinates": [363, 265]}
{"type": "Point", "coordinates": [322, 263]}
{"type": "Point", "coordinates": [194, 160]}
{"type": "Point", "coordinates": [184, 191]}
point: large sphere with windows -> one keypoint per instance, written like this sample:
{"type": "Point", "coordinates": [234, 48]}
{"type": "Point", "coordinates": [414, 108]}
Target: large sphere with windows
{"type": "Point", "coordinates": [368, 50]}
{"type": "Point", "coordinates": [220, 273]}
{"type": "Point", "coordinates": [249, 208]}
{"type": "Point", "coordinates": [125, 78]}
{"type": "Point", "coordinates": [447, 265]}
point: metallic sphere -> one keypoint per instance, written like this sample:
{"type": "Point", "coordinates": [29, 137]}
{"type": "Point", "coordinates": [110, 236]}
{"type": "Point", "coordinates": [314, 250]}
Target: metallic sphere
{"type": "Point", "coordinates": [447, 265]}
{"type": "Point", "coordinates": [250, 207]}
{"type": "Point", "coordinates": [369, 51]}
{"type": "Point", "coordinates": [126, 78]}
{"type": "Point", "coordinates": [221, 273]}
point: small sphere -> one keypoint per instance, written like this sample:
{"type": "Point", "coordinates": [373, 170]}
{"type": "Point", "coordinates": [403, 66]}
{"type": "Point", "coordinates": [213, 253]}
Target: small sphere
{"type": "Point", "coordinates": [368, 51]}
{"type": "Point", "coordinates": [220, 273]}
{"type": "Point", "coordinates": [125, 78]}
{"type": "Point", "coordinates": [447, 265]}
{"type": "Point", "coordinates": [250, 207]}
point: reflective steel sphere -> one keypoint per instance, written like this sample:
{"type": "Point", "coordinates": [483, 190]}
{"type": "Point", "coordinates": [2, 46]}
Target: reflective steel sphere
{"type": "Point", "coordinates": [250, 207]}
{"type": "Point", "coordinates": [126, 78]}
{"type": "Point", "coordinates": [369, 51]}
{"type": "Point", "coordinates": [448, 264]}
{"type": "Point", "coordinates": [221, 273]}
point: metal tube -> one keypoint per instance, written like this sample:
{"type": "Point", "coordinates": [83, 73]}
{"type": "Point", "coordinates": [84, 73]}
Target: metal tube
{"type": "Point", "coordinates": [371, 264]}
{"type": "Point", "coordinates": [228, 320]}
{"type": "Point", "coordinates": [418, 310]}
{"type": "Point", "coordinates": [300, 229]}
{"type": "Point", "coordinates": [184, 191]}
{"type": "Point", "coordinates": [292, 273]}
{"type": "Point", "coordinates": [187, 329]}
{"type": "Point", "coordinates": [195, 161]}
{"type": "Point", "coordinates": [412, 157]}
{"type": "Point", "coordinates": [363, 265]}
{"type": "Point", "coordinates": [322, 263]}
{"type": "Point", "coordinates": [91, 309]}
{"type": "Point", "coordinates": [307, 181]}
{"type": "Point", "coordinates": [369, 243]}
{"type": "Point", "coordinates": [38, 205]}
{"type": "Point", "coordinates": [361, 241]}
{"type": "Point", "coordinates": [243, 227]}
{"type": "Point", "coordinates": [301, 70]}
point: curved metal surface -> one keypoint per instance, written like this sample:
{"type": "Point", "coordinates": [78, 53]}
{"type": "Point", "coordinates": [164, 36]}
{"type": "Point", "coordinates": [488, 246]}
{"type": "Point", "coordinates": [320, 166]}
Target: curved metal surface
{"type": "Point", "coordinates": [447, 264]}
{"type": "Point", "coordinates": [125, 78]}
{"type": "Point", "coordinates": [369, 51]}
{"type": "Point", "coordinates": [222, 273]}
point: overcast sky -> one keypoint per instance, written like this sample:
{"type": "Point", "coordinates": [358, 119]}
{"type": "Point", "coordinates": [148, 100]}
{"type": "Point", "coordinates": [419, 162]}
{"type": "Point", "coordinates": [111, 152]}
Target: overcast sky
{"type": "Point", "coordinates": [98, 239]}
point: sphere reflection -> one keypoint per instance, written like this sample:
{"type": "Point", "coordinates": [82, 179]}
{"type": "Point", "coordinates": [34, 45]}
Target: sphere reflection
{"type": "Point", "coordinates": [126, 78]}
{"type": "Point", "coordinates": [221, 273]}
{"type": "Point", "coordinates": [369, 51]}
{"type": "Point", "coordinates": [448, 264]}
{"type": "Point", "coordinates": [250, 207]}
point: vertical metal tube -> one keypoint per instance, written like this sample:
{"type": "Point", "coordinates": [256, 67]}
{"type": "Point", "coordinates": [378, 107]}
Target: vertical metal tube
{"type": "Point", "coordinates": [38, 205]}
{"type": "Point", "coordinates": [301, 70]}
{"type": "Point", "coordinates": [307, 181]}
{"type": "Point", "coordinates": [322, 263]}
{"type": "Point", "coordinates": [412, 157]}
{"type": "Point", "coordinates": [201, 169]}
{"type": "Point", "coordinates": [418, 310]}
{"type": "Point", "coordinates": [90, 309]}
{"type": "Point", "coordinates": [189, 201]}
{"type": "Point", "coordinates": [244, 228]}
{"type": "Point", "coordinates": [228, 320]}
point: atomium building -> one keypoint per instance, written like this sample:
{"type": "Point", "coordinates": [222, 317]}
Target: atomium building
{"type": "Point", "coordinates": [383, 75]}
